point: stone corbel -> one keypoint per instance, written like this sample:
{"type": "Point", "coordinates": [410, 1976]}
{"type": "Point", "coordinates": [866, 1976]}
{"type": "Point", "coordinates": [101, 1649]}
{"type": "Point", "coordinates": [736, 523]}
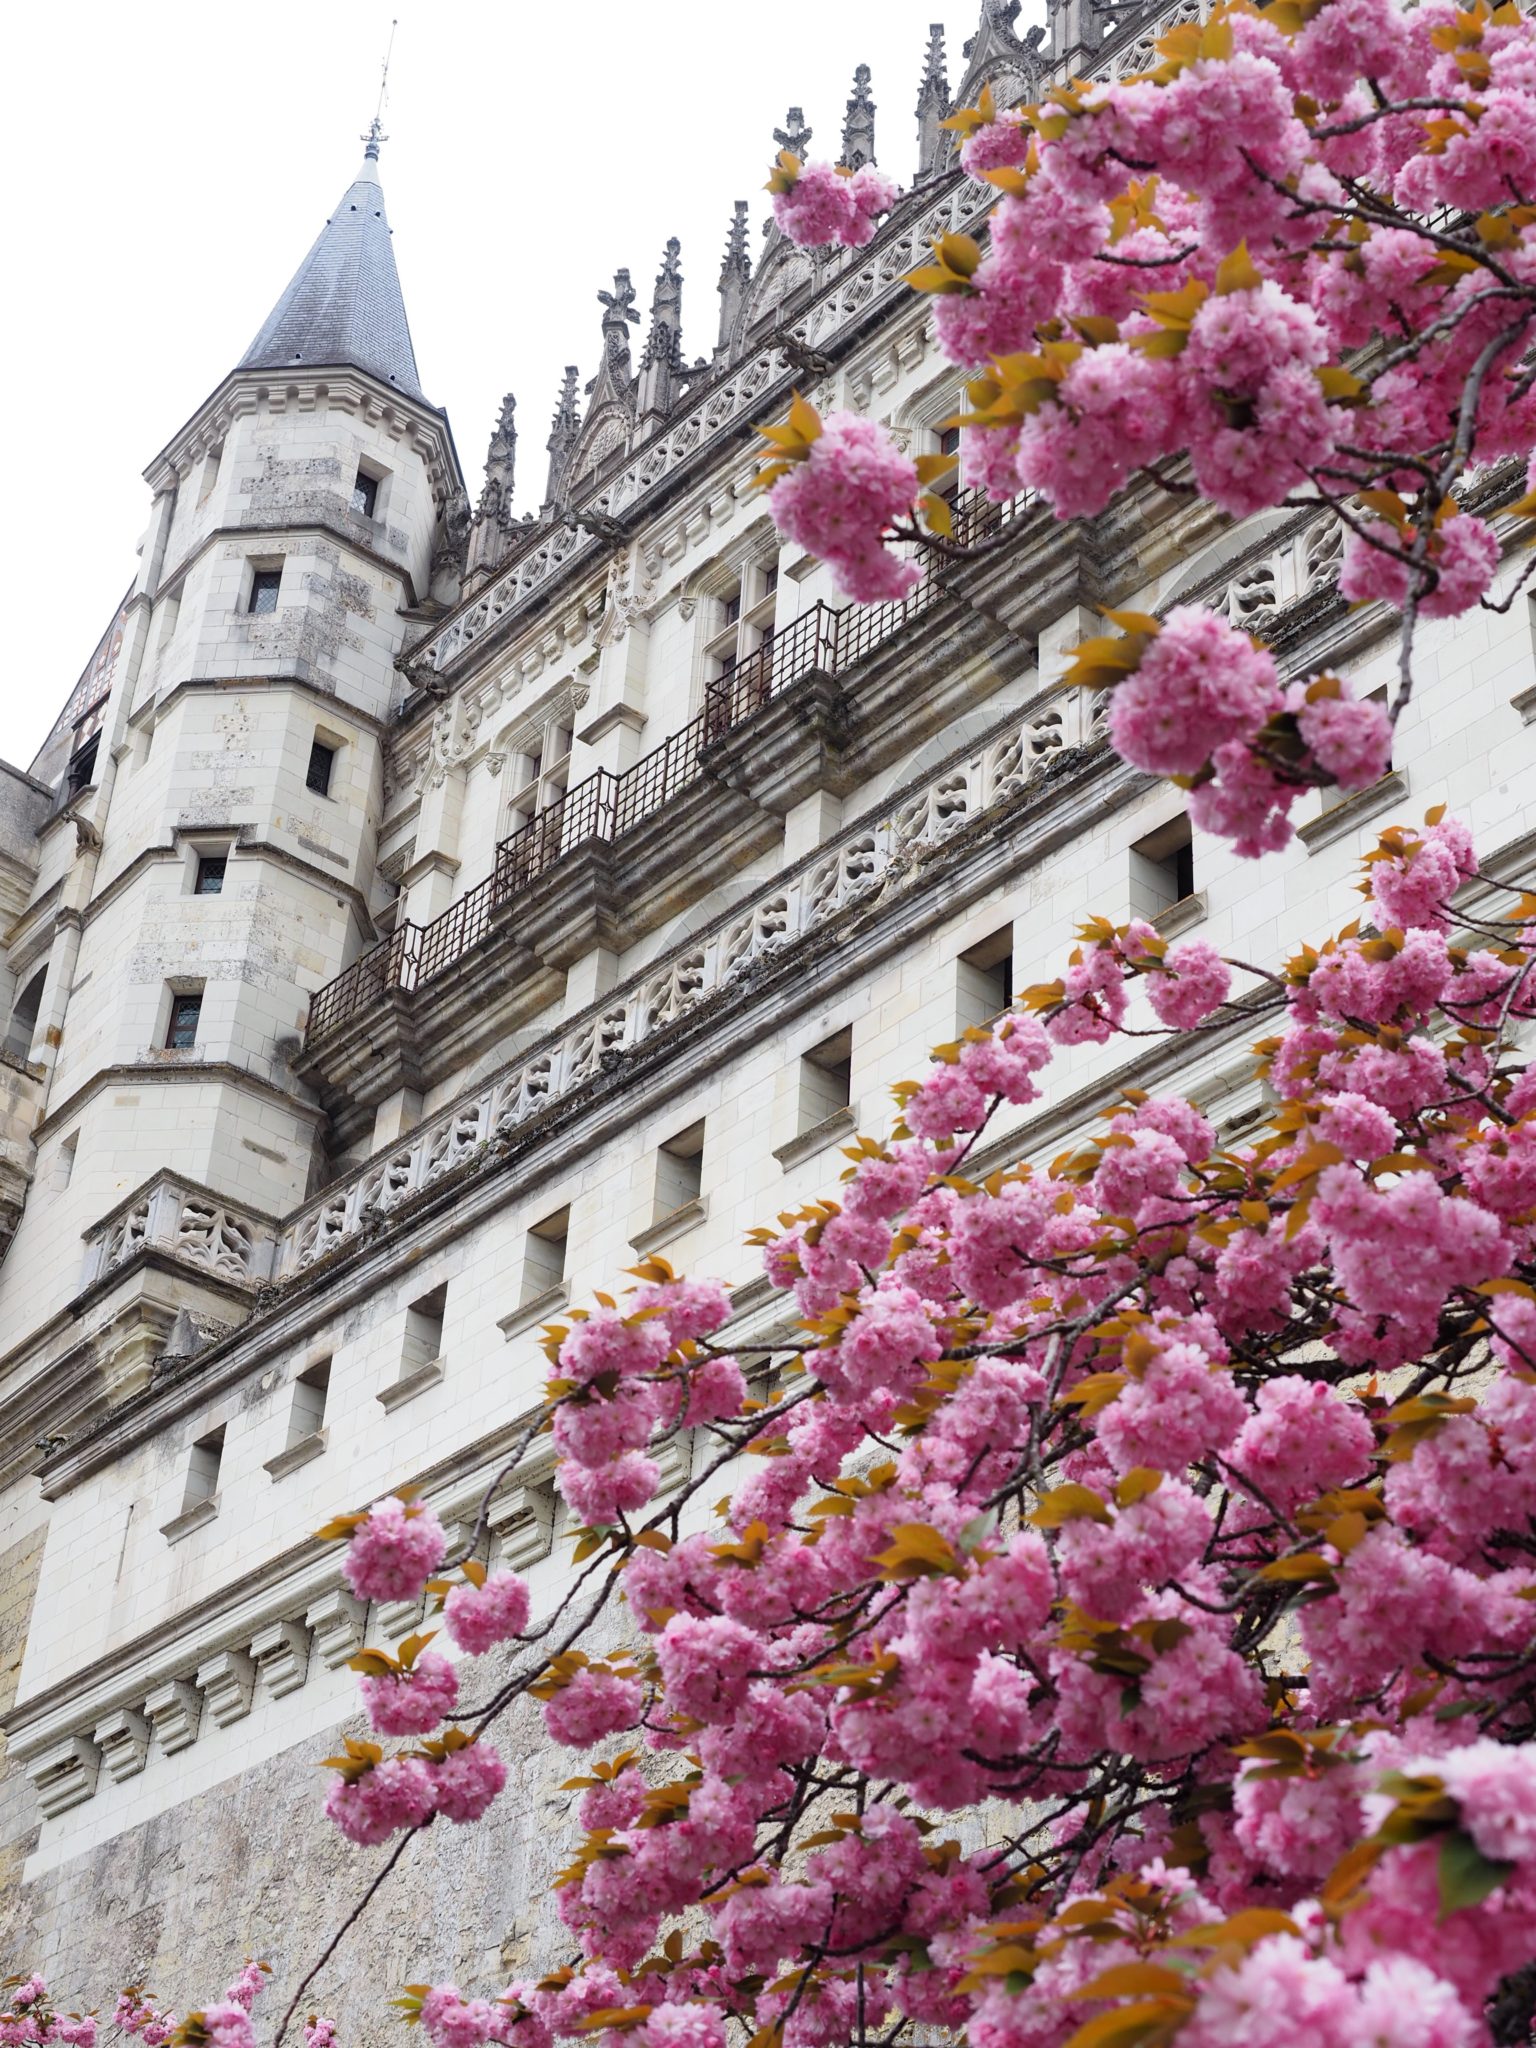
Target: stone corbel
{"type": "Point", "coordinates": [226, 1682]}
{"type": "Point", "coordinates": [398, 1618]}
{"type": "Point", "coordinates": [522, 1525]}
{"type": "Point", "coordinates": [337, 1621]}
{"type": "Point", "coordinates": [173, 1711]}
{"type": "Point", "coordinates": [64, 1775]}
{"type": "Point", "coordinates": [280, 1653]}
{"type": "Point", "coordinates": [123, 1739]}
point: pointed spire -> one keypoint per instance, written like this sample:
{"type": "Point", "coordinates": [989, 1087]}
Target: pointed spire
{"type": "Point", "coordinates": [794, 135]}
{"type": "Point", "coordinates": [735, 274]}
{"type": "Point", "coordinates": [859, 124]}
{"type": "Point", "coordinates": [343, 304]}
{"type": "Point", "coordinates": [565, 432]}
{"type": "Point", "coordinates": [933, 105]}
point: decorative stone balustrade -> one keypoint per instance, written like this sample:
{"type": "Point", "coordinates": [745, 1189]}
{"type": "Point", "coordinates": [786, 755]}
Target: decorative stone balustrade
{"type": "Point", "coordinates": [190, 1224]}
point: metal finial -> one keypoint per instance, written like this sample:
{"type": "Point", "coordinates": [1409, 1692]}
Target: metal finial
{"type": "Point", "coordinates": [376, 134]}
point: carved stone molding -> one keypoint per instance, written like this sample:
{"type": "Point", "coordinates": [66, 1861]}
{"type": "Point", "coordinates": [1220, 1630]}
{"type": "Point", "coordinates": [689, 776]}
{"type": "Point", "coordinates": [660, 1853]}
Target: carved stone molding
{"type": "Point", "coordinates": [123, 1739]}
{"type": "Point", "coordinates": [336, 1622]}
{"type": "Point", "coordinates": [173, 1711]}
{"type": "Point", "coordinates": [226, 1682]}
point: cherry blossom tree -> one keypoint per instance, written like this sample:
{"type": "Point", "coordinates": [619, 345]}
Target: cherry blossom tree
{"type": "Point", "coordinates": [1118, 1625]}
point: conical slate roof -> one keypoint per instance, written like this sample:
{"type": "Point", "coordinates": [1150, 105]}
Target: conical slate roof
{"type": "Point", "coordinates": [343, 303]}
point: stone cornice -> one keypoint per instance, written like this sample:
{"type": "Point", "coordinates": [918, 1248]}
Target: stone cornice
{"type": "Point", "coordinates": [243, 392]}
{"type": "Point", "coordinates": [309, 527]}
{"type": "Point", "coordinates": [245, 843]}
{"type": "Point", "coordinates": [173, 1075]}
{"type": "Point", "coordinates": [153, 709]}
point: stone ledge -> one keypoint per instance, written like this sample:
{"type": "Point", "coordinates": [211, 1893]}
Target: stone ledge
{"type": "Point", "coordinates": [535, 1310]}
{"type": "Point", "coordinates": [675, 1225]}
{"type": "Point", "coordinates": [842, 1123]}
{"type": "Point", "coordinates": [409, 1385]}
{"type": "Point", "coordinates": [1525, 704]}
{"type": "Point", "coordinates": [1339, 820]}
{"type": "Point", "coordinates": [297, 1454]}
{"type": "Point", "coordinates": [189, 1519]}
{"type": "Point", "coordinates": [1181, 916]}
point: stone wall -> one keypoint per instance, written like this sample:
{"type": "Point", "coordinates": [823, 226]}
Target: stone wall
{"type": "Point", "coordinates": [19, 1569]}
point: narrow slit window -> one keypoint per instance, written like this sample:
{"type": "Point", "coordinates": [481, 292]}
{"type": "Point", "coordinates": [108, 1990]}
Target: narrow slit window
{"type": "Point", "coordinates": [203, 1463]}
{"type": "Point", "coordinates": [986, 977]}
{"type": "Point", "coordinates": [826, 1079]}
{"type": "Point", "coordinates": [306, 1417]}
{"type": "Point", "coordinates": [1162, 869]}
{"type": "Point", "coordinates": [322, 761]}
{"type": "Point", "coordinates": [265, 584]}
{"type": "Point", "coordinates": [544, 1254]}
{"type": "Point", "coordinates": [423, 1343]}
{"type": "Point", "coordinates": [365, 495]}
{"type": "Point", "coordinates": [679, 1171]}
{"type": "Point", "coordinates": [210, 874]}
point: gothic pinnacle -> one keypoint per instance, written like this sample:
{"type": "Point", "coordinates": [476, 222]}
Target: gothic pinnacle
{"type": "Point", "coordinates": [933, 105]}
{"type": "Point", "coordinates": [794, 135]}
{"type": "Point", "coordinates": [859, 123]}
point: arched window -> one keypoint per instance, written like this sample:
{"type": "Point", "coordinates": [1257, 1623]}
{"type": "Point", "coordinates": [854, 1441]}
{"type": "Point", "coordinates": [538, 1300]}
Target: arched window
{"type": "Point", "coordinates": [18, 1038]}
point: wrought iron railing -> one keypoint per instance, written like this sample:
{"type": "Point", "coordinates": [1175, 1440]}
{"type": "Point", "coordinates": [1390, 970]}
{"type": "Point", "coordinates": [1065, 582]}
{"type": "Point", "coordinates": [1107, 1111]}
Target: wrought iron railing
{"type": "Point", "coordinates": [605, 806]}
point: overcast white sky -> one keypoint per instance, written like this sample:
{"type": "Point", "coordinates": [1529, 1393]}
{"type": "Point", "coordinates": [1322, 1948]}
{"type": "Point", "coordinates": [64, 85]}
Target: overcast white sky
{"type": "Point", "coordinates": [166, 165]}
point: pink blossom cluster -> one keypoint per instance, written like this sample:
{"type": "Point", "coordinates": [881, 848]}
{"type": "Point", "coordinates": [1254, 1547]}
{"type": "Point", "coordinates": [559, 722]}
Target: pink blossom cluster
{"type": "Point", "coordinates": [1177, 269]}
{"type": "Point", "coordinates": [841, 500]}
{"type": "Point", "coordinates": [480, 1616]}
{"type": "Point", "coordinates": [28, 2018]}
{"type": "Point", "coordinates": [827, 205]}
{"type": "Point", "coordinates": [411, 1701]}
{"type": "Point", "coordinates": [394, 1550]}
{"type": "Point", "coordinates": [408, 1790]}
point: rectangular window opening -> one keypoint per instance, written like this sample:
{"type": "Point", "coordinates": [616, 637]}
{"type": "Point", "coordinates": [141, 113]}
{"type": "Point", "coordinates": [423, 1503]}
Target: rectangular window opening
{"type": "Point", "coordinates": [306, 1417]}
{"type": "Point", "coordinates": [679, 1171]}
{"type": "Point", "coordinates": [365, 494]}
{"type": "Point", "coordinates": [186, 1011]}
{"type": "Point", "coordinates": [544, 1254]}
{"type": "Point", "coordinates": [265, 584]}
{"type": "Point", "coordinates": [826, 1078]}
{"type": "Point", "coordinates": [423, 1343]}
{"type": "Point", "coordinates": [986, 978]}
{"type": "Point", "coordinates": [1162, 869]}
{"type": "Point", "coordinates": [203, 1464]}
{"type": "Point", "coordinates": [322, 760]}
{"type": "Point", "coordinates": [210, 874]}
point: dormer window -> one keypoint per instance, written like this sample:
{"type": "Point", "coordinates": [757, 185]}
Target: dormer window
{"type": "Point", "coordinates": [365, 495]}
{"type": "Point", "coordinates": [265, 584]}
{"type": "Point", "coordinates": [82, 768]}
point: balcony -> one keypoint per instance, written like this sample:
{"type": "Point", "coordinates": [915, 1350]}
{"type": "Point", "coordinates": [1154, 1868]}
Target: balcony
{"type": "Point", "coordinates": [814, 653]}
